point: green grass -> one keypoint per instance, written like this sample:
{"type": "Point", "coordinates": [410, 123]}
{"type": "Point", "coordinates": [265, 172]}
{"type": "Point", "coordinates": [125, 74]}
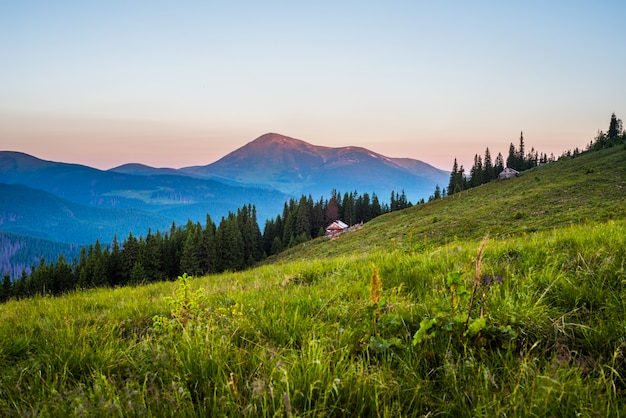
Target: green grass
{"type": "Point", "coordinates": [589, 188]}
{"type": "Point", "coordinates": [303, 336]}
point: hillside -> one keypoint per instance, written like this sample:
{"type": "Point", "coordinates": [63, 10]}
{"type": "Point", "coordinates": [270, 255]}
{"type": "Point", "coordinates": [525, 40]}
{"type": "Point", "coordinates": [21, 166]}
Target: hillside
{"type": "Point", "coordinates": [411, 316]}
{"type": "Point", "coordinates": [155, 193]}
{"type": "Point", "coordinates": [18, 253]}
{"type": "Point", "coordinates": [35, 213]}
{"type": "Point", "coordinates": [589, 188]}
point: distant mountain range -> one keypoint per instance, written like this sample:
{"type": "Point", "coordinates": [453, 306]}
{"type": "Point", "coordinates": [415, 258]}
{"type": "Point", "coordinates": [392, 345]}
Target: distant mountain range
{"type": "Point", "coordinates": [72, 203]}
{"type": "Point", "coordinates": [296, 167]}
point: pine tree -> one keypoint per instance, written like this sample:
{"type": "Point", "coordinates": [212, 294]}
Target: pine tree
{"type": "Point", "coordinates": [208, 252]}
{"type": "Point", "coordinates": [303, 218]}
{"type": "Point", "coordinates": [230, 245]}
{"type": "Point", "coordinates": [488, 168]}
{"type": "Point", "coordinates": [97, 266]}
{"type": "Point", "coordinates": [393, 203]}
{"type": "Point", "coordinates": [151, 257]}
{"type": "Point", "coordinates": [452, 184]}
{"type": "Point", "coordinates": [277, 246]}
{"type": "Point", "coordinates": [614, 127]}
{"type": "Point", "coordinates": [289, 228]}
{"type": "Point", "coordinates": [521, 157]}
{"type": "Point", "coordinates": [437, 194]}
{"type": "Point", "coordinates": [190, 261]}
{"type": "Point", "coordinates": [272, 230]}
{"type": "Point", "coordinates": [317, 217]}
{"type": "Point", "coordinates": [62, 276]}
{"type": "Point", "coordinates": [476, 173]}
{"type": "Point", "coordinates": [377, 209]}
{"type": "Point", "coordinates": [498, 166]}
{"type": "Point", "coordinates": [115, 271]}
{"type": "Point", "coordinates": [7, 287]}
{"type": "Point", "coordinates": [512, 159]}
{"type": "Point", "coordinates": [348, 208]}
{"type": "Point", "coordinates": [137, 274]}
{"type": "Point", "coordinates": [130, 255]}
{"type": "Point", "coordinates": [403, 202]}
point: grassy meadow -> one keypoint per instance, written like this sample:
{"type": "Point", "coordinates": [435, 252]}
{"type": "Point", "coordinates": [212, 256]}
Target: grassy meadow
{"type": "Point", "coordinates": [506, 300]}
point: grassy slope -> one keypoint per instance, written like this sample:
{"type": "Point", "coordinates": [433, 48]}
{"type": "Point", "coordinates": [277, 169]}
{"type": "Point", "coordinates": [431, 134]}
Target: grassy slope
{"type": "Point", "coordinates": [589, 188]}
{"type": "Point", "coordinates": [303, 337]}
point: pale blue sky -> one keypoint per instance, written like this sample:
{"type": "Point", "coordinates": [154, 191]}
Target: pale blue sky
{"type": "Point", "coordinates": [183, 83]}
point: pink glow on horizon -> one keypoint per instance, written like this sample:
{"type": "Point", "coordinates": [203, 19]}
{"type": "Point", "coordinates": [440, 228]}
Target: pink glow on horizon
{"type": "Point", "coordinates": [107, 144]}
{"type": "Point", "coordinates": [101, 84]}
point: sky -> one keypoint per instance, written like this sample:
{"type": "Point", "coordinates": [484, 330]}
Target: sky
{"type": "Point", "coordinates": [175, 84]}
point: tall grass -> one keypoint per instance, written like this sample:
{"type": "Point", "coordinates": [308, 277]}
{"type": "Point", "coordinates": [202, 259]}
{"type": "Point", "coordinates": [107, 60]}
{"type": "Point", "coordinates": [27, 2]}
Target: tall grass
{"type": "Point", "coordinates": [307, 338]}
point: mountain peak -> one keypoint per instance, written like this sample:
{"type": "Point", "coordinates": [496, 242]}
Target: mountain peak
{"type": "Point", "coordinates": [297, 167]}
{"type": "Point", "coordinates": [273, 139]}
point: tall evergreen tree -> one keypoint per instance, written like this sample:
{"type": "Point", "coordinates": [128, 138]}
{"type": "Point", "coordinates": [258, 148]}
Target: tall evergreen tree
{"type": "Point", "coordinates": [190, 261]}
{"type": "Point", "coordinates": [498, 166]}
{"type": "Point", "coordinates": [453, 178]}
{"type": "Point", "coordinates": [96, 266]}
{"type": "Point", "coordinates": [303, 218]}
{"type": "Point", "coordinates": [614, 127]}
{"type": "Point", "coordinates": [476, 173]}
{"type": "Point", "coordinates": [521, 156]}
{"type": "Point", "coordinates": [7, 288]}
{"type": "Point", "coordinates": [115, 270]}
{"type": "Point", "coordinates": [377, 209]}
{"type": "Point", "coordinates": [512, 159]}
{"type": "Point", "coordinates": [318, 221]}
{"type": "Point", "coordinates": [229, 244]}
{"type": "Point", "coordinates": [437, 192]}
{"type": "Point", "coordinates": [488, 168]}
{"type": "Point", "coordinates": [349, 214]}
{"type": "Point", "coordinates": [151, 256]}
{"type": "Point", "coordinates": [62, 276]}
{"type": "Point", "coordinates": [208, 250]}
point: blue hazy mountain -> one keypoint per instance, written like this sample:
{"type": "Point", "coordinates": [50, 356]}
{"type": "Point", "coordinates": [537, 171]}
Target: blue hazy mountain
{"type": "Point", "coordinates": [295, 167]}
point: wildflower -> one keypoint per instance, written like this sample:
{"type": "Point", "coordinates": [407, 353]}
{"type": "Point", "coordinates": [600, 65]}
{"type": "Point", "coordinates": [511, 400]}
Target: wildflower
{"type": "Point", "coordinates": [489, 279]}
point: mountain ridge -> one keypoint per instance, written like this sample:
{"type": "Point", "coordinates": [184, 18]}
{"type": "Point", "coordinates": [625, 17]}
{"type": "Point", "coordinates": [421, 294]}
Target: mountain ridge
{"type": "Point", "coordinates": [298, 167]}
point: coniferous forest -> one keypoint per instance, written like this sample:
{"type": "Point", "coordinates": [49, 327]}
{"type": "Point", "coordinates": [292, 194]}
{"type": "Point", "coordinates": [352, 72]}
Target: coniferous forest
{"type": "Point", "coordinates": [234, 244]}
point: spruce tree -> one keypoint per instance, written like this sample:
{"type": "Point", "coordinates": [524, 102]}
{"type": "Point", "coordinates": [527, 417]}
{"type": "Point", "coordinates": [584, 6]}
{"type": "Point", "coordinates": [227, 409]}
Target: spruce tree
{"type": "Point", "coordinates": [190, 261]}
{"type": "Point", "coordinates": [476, 173]}
{"type": "Point", "coordinates": [377, 209]}
{"type": "Point", "coordinates": [512, 160]}
{"type": "Point", "coordinates": [453, 178]}
{"type": "Point", "coordinates": [208, 251]}
{"type": "Point", "coordinates": [521, 157]}
{"type": "Point", "coordinates": [614, 127]}
{"type": "Point", "coordinates": [488, 168]}
{"type": "Point", "coordinates": [7, 288]}
{"type": "Point", "coordinates": [498, 166]}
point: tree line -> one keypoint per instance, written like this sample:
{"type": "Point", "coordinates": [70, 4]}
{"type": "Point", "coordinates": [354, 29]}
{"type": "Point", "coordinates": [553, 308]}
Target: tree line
{"type": "Point", "coordinates": [234, 244]}
{"type": "Point", "coordinates": [613, 137]}
{"type": "Point", "coordinates": [484, 170]}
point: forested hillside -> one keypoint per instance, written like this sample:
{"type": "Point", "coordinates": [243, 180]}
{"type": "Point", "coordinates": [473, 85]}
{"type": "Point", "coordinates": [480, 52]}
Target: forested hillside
{"type": "Point", "coordinates": [18, 253]}
{"type": "Point", "coordinates": [234, 244]}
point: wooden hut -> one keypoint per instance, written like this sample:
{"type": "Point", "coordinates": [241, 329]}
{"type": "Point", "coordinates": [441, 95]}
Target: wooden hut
{"type": "Point", "coordinates": [508, 173]}
{"type": "Point", "coordinates": [336, 228]}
